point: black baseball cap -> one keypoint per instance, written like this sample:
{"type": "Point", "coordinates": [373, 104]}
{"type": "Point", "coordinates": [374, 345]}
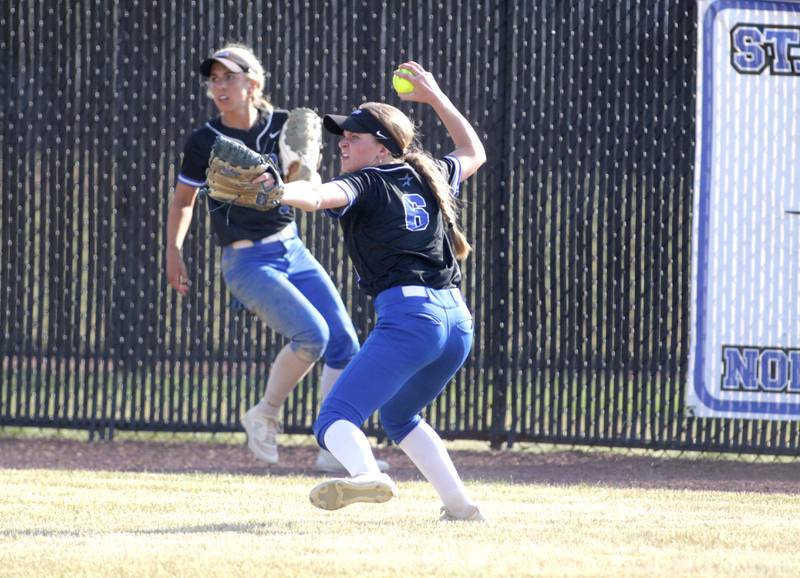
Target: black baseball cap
{"type": "Point", "coordinates": [361, 120]}
{"type": "Point", "coordinates": [228, 59]}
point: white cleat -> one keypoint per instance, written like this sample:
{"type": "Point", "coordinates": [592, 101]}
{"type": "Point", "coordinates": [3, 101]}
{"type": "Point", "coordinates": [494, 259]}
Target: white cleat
{"type": "Point", "coordinates": [327, 464]}
{"type": "Point", "coordinates": [262, 433]}
{"type": "Point", "coordinates": [340, 492]}
{"type": "Point", "coordinates": [473, 514]}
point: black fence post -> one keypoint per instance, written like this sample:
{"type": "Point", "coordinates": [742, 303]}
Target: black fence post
{"type": "Point", "coordinates": [501, 142]}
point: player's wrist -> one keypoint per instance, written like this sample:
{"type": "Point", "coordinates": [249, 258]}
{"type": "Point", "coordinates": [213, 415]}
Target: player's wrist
{"type": "Point", "coordinates": [442, 104]}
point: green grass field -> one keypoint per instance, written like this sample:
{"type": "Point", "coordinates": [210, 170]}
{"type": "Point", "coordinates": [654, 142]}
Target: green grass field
{"type": "Point", "coordinates": [83, 523]}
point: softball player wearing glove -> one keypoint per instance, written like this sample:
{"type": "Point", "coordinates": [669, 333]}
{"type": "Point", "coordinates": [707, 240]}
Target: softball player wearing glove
{"type": "Point", "coordinates": [395, 205]}
{"type": "Point", "coordinates": [264, 263]}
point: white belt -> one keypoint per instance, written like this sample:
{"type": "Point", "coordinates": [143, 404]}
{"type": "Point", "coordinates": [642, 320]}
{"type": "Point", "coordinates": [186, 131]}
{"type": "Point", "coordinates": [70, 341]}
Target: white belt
{"type": "Point", "coordinates": [285, 233]}
{"type": "Point", "coordinates": [414, 291]}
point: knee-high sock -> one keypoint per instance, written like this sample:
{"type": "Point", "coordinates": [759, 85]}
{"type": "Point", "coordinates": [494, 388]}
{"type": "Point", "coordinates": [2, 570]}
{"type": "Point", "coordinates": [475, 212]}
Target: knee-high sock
{"type": "Point", "coordinates": [350, 446]}
{"type": "Point", "coordinates": [286, 371]}
{"type": "Point", "coordinates": [426, 449]}
{"type": "Point", "coordinates": [329, 377]}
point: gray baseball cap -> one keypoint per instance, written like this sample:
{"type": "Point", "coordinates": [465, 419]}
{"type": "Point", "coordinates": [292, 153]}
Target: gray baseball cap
{"type": "Point", "coordinates": [228, 59]}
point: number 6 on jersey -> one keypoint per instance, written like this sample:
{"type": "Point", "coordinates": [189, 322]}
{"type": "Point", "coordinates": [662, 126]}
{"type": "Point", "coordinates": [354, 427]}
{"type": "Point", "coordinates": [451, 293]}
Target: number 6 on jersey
{"type": "Point", "coordinates": [417, 217]}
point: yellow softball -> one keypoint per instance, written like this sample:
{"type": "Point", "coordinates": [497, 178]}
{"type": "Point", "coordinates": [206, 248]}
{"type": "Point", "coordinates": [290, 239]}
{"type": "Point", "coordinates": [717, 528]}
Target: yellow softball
{"type": "Point", "coordinates": [400, 84]}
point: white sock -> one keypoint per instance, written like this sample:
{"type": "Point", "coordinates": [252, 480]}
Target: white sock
{"type": "Point", "coordinates": [268, 409]}
{"type": "Point", "coordinates": [329, 377]}
{"type": "Point", "coordinates": [326, 381]}
{"type": "Point", "coordinates": [350, 446]}
{"type": "Point", "coordinates": [426, 449]}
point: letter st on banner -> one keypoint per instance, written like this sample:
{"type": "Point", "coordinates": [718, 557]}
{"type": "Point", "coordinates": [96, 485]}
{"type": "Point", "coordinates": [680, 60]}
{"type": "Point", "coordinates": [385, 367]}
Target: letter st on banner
{"type": "Point", "coordinates": [744, 358]}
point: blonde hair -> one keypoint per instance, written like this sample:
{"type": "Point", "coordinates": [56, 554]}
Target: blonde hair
{"type": "Point", "coordinates": [403, 132]}
{"type": "Point", "coordinates": [255, 73]}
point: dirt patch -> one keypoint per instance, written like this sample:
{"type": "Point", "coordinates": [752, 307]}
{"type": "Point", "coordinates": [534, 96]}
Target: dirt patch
{"type": "Point", "coordinates": [551, 467]}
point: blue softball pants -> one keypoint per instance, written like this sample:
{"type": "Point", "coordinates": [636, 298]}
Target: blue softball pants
{"type": "Point", "coordinates": [287, 288]}
{"type": "Point", "coordinates": [422, 336]}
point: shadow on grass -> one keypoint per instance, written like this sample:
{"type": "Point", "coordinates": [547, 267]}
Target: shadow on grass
{"type": "Point", "coordinates": [255, 528]}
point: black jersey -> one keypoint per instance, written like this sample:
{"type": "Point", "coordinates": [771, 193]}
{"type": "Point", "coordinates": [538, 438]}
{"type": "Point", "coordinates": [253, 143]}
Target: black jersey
{"type": "Point", "coordinates": [230, 222]}
{"type": "Point", "coordinates": [393, 228]}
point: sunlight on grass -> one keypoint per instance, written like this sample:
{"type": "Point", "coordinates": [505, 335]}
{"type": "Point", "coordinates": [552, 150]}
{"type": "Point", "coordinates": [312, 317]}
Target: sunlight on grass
{"type": "Point", "coordinates": [82, 523]}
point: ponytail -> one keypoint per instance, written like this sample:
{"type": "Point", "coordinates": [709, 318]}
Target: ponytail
{"type": "Point", "coordinates": [427, 169]}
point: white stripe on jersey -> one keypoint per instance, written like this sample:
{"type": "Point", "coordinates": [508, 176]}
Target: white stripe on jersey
{"type": "Point", "coordinates": [208, 124]}
{"type": "Point", "coordinates": [397, 168]}
{"type": "Point", "coordinates": [191, 182]}
{"type": "Point", "coordinates": [455, 182]}
{"type": "Point", "coordinates": [262, 133]}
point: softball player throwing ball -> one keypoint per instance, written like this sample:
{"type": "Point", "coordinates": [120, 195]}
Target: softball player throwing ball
{"type": "Point", "coordinates": [395, 205]}
{"type": "Point", "coordinates": [264, 263]}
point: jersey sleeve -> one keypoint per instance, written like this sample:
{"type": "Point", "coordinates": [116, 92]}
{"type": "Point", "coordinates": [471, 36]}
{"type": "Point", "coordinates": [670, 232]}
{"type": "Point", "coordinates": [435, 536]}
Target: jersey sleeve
{"type": "Point", "coordinates": [354, 185]}
{"type": "Point", "coordinates": [451, 169]}
{"type": "Point", "coordinates": [195, 161]}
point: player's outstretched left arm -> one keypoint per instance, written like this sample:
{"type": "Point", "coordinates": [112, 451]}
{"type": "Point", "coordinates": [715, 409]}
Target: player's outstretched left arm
{"type": "Point", "coordinates": [308, 196]}
{"type": "Point", "coordinates": [469, 148]}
